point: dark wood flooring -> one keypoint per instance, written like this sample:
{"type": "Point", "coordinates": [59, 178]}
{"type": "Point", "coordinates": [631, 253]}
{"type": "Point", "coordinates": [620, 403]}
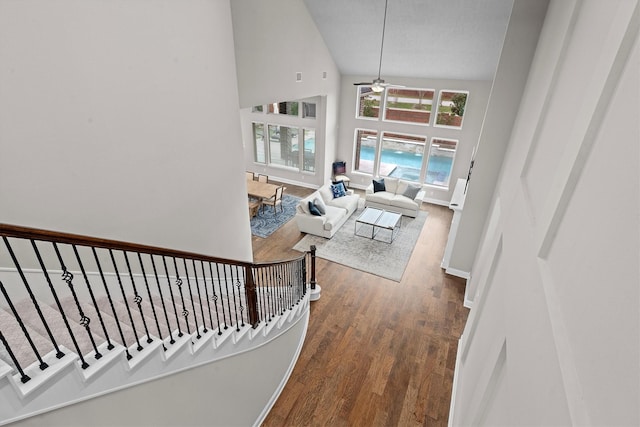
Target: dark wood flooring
{"type": "Point", "coordinates": [377, 352]}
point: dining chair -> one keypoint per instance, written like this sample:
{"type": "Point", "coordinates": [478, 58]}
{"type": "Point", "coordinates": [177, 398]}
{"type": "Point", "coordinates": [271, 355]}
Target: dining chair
{"type": "Point", "coordinates": [263, 178]}
{"type": "Point", "coordinates": [250, 175]}
{"type": "Point", "coordinates": [275, 200]}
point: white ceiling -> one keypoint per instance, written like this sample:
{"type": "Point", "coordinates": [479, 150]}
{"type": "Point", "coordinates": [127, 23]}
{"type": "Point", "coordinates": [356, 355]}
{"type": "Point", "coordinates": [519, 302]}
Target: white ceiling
{"type": "Point", "coordinates": [449, 39]}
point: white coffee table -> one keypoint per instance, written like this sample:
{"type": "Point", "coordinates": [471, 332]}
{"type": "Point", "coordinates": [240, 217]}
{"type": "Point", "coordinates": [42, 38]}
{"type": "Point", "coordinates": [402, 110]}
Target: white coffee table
{"type": "Point", "coordinates": [378, 219]}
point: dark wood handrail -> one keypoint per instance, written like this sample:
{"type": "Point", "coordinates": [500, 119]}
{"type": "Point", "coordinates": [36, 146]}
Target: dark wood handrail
{"type": "Point", "coordinates": [223, 295]}
{"type": "Point", "coordinates": [19, 231]}
{"type": "Point", "coordinates": [35, 234]}
{"type": "Point", "coordinates": [77, 239]}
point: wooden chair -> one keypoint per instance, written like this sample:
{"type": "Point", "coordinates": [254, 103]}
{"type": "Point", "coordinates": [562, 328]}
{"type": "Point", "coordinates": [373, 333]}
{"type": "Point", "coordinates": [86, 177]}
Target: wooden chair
{"type": "Point", "coordinates": [263, 178]}
{"type": "Point", "coordinates": [254, 206]}
{"type": "Point", "coordinates": [275, 200]}
{"type": "Point", "coordinates": [250, 175]}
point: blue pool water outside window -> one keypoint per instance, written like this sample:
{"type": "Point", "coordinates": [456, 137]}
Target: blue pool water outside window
{"type": "Point", "coordinates": [407, 163]}
{"type": "Point", "coordinates": [366, 141]}
{"type": "Point", "coordinates": [309, 155]}
{"type": "Point", "coordinates": [401, 156]}
{"type": "Point", "coordinates": [440, 164]}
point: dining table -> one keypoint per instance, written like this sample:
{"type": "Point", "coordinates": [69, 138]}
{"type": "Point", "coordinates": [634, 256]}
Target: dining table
{"type": "Point", "coordinates": [261, 190]}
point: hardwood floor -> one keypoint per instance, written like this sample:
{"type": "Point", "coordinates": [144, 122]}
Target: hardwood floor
{"type": "Point", "coordinates": [377, 352]}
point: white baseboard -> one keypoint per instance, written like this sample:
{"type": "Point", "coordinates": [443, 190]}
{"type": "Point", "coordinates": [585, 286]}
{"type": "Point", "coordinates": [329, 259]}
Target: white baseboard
{"type": "Point", "coordinates": [455, 383]}
{"type": "Point", "coordinates": [468, 302]}
{"type": "Point", "coordinates": [287, 375]}
{"type": "Point", "coordinates": [436, 202]}
{"type": "Point", "coordinates": [458, 273]}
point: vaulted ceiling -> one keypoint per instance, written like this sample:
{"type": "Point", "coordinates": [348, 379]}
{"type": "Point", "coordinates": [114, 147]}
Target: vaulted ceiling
{"type": "Point", "coordinates": [450, 39]}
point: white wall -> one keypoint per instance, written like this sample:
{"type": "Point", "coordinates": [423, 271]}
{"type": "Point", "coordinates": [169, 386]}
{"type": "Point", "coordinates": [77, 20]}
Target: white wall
{"type": "Point", "coordinates": [274, 40]}
{"type": "Point", "coordinates": [515, 59]}
{"type": "Point", "coordinates": [114, 118]}
{"type": "Point", "coordinates": [553, 335]}
{"type": "Point", "coordinates": [467, 136]}
{"type": "Point", "coordinates": [236, 391]}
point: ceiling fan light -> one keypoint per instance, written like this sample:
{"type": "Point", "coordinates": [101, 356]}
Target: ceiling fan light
{"type": "Point", "coordinates": [377, 87]}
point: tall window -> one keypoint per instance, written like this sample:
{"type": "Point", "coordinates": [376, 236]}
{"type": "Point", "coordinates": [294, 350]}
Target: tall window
{"type": "Point", "coordinates": [440, 163]}
{"type": "Point", "coordinates": [366, 141]}
{"type": "Point", "coordinates": [368, 103]}
{"type": "Point", "coordinates": [259, 150]}
{"type": "Point", "coordinates": [401, 156]}
{"type": "Point", "coordinates": [283, 146]}
{"type": "Point", "coordinates": [408, 105]}
{"type": "Point", "coordinates": [309, 153]}
{"type": "Point", "coordinates": [277, 143]}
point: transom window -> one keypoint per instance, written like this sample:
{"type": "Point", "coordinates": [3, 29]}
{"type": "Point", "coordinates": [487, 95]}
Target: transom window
{"type": "Point", "coordinates": [408, 105]}
{"type": "Point", "coordinates": [451, 106]}
{"type": "Point", "coordinates": [368, 103]}
{"type": "Point", "coordinates": [289, 107]}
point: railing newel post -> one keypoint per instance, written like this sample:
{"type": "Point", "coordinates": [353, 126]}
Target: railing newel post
{"type": "Point", "coordinates": [315, 288]}
{"type": "Point", "coordinates": [252, 297]}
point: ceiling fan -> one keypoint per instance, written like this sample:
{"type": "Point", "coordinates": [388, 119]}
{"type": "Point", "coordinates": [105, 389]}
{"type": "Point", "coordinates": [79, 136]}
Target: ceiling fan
{"type": "Point", "coordinates": [378, 84]}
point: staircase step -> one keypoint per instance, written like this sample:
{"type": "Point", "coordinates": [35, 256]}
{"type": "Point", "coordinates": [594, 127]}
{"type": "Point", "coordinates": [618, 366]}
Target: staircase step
{"type": "Point", "coordinates": [19, 344]}
{"type": "Point", "coordinates": [140, 354]}
{"type": "Point", "coordinates": [206, 338]}
{"type": "Point", "coordinates": [178, 344]}
{"type": "Point", "coordinates": [38, 376]}
{"type": "Point", "coordinates": [107, 357]}
{"type": "Point", "coordinates": [222, 335]}
{"type": "Point", "coordinates": [57, 325]}
{"type": "Point", "coordinates": [239, 334]}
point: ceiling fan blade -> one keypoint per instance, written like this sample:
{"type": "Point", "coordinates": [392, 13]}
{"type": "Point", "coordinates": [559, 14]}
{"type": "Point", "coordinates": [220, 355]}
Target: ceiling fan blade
{"type": "Point", "coordinates": [363, 84]}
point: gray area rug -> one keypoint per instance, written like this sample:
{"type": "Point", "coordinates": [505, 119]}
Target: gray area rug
{"type": "Point", "coordinates": [387, 260]}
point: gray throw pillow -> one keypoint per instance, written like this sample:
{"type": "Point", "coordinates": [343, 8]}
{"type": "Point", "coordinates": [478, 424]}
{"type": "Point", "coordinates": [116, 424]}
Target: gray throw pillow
{"type": "Point", "coordinates": [412, 191]}
{"type": "Point", "coordinates": [319, 204]}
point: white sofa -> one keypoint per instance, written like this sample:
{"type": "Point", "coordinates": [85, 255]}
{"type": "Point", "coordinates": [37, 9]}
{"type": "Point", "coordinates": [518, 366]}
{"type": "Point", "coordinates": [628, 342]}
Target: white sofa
{"type": "Point", "coordinates": [393, 198]}
{"type": "Point", "coordinates": [338, 210]}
